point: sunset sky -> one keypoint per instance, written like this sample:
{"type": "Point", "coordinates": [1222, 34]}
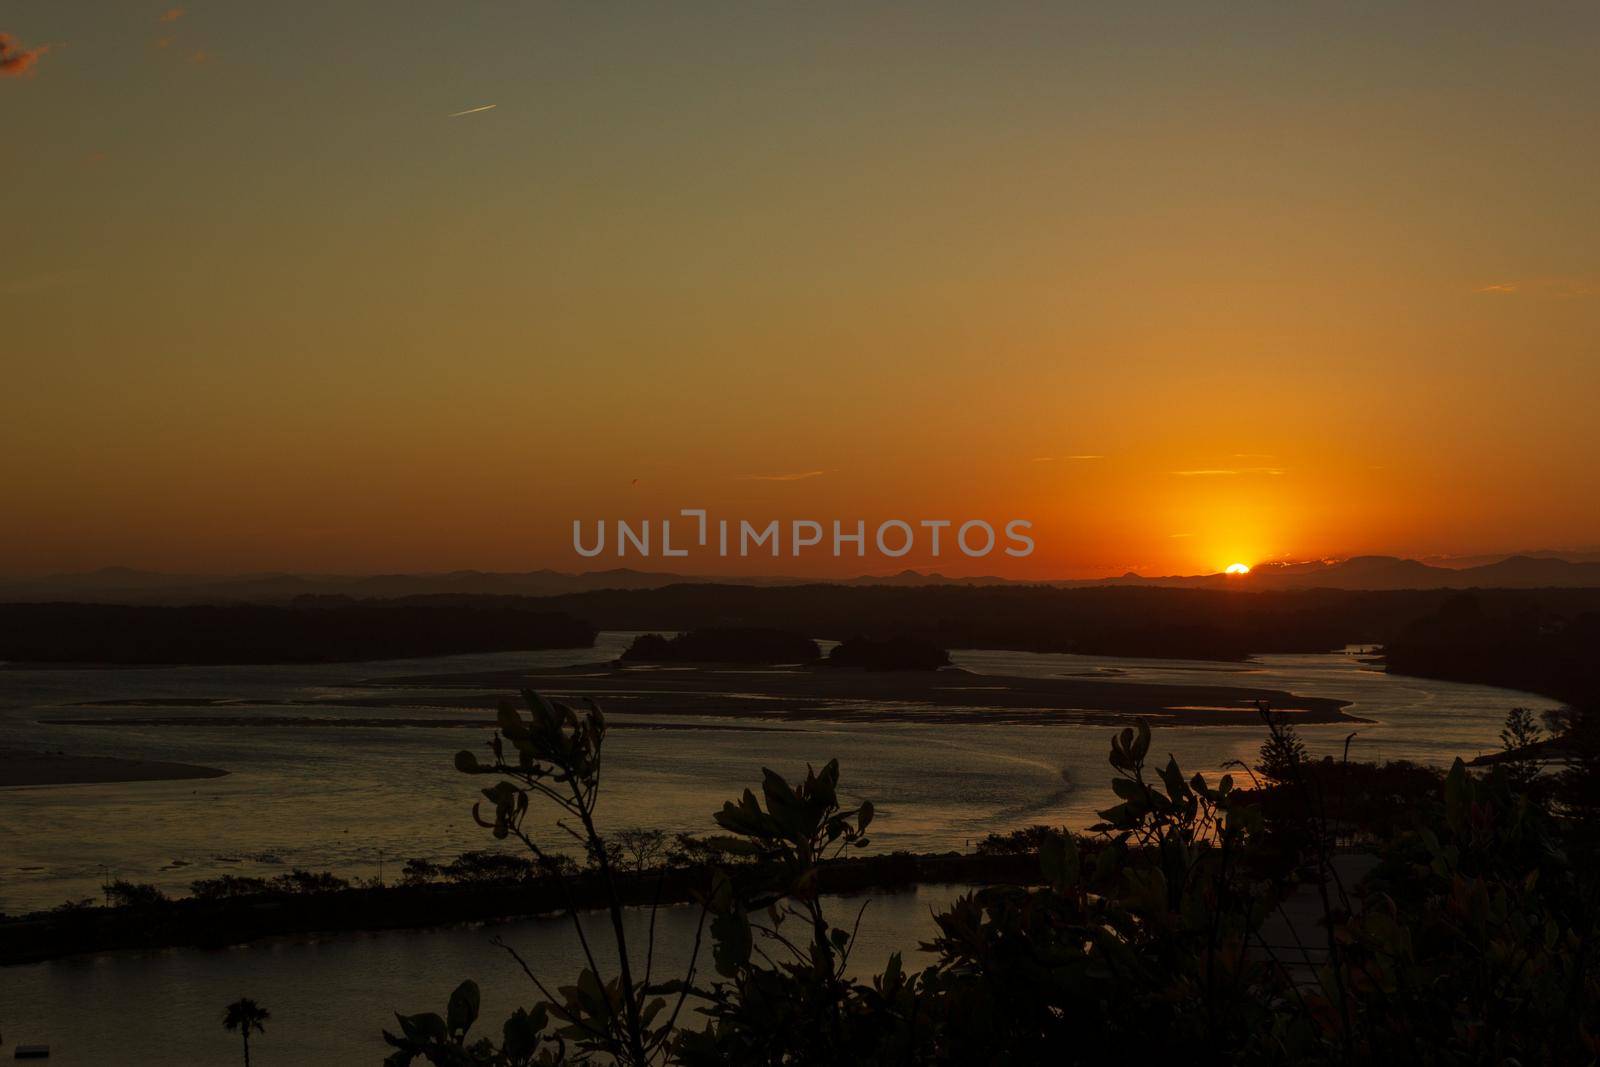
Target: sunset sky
{"type": "Point", "coordinates": [1181, 284]}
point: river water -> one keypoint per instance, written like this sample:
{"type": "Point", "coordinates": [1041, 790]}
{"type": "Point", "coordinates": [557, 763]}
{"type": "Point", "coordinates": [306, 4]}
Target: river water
{"type": "Point", "coordinates": [358, 800]}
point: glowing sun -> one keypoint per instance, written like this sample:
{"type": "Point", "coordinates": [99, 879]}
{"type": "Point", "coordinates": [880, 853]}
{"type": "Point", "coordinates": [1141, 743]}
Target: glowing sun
{"type": "Point", "coordinates": [1238, 568]}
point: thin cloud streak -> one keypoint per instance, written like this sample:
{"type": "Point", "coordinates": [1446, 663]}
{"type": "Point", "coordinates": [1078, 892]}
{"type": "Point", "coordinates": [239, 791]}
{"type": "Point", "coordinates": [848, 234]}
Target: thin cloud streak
{"type": "Point", "coordinates": [1210, 472]}
{"type": "Point", "coordinates": [1557, 286]}
{"type": "Point", "coordinates": [473, 110]}
{"type": "Point", "coordinates": [799, 476]}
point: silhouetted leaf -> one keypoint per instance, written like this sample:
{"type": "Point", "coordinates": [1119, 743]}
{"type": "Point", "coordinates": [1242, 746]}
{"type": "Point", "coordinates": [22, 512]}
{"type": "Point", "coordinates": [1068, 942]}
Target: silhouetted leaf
{"type": "Point", "coordinates": [463, 1010]}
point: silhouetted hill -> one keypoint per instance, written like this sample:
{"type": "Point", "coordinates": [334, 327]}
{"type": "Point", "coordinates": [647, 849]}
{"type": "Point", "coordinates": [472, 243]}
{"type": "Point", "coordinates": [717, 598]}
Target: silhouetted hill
{"type": "Point", "coordinates": [1358, 572]}
{"type": "Point", "coordinates": [120, 585]}
{"type": "Point", "coordinates": [1458, 562]}
{"type": "Point", "coordinates": [1389, 572]}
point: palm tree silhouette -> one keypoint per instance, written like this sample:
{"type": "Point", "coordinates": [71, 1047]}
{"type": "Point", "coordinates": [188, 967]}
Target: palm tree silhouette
{"type": "Point", "coordinates": [245, 1015]}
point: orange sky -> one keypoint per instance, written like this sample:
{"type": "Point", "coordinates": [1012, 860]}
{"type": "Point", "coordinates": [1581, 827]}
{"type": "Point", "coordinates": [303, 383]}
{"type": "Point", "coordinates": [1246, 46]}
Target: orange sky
{"type": "Point", "coordinates": [1303, 284]}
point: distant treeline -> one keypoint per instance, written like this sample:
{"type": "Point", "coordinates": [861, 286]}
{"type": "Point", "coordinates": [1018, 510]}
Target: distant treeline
{"type": "Point", "coordinates": [1159, 622]}
{"type": "Point", "coordinates": [1493, 640]}
{"type": "Point", "coordinates": [313, 630]}
{"type": "Point", "coordinates": [1542, 640]}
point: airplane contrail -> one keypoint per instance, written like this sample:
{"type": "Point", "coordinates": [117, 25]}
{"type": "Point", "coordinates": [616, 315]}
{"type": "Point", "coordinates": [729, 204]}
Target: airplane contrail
{"type": "Point", "coordinates": [473, 110]}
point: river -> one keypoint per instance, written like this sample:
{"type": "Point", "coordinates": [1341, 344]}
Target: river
{"type": "Point", "coordinates": [359, 800]}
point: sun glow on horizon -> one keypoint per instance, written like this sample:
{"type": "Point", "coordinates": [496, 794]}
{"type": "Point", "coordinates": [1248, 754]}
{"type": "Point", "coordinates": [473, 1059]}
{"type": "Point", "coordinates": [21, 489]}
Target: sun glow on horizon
{"type": "Point", "coordinates": [1238, 568]}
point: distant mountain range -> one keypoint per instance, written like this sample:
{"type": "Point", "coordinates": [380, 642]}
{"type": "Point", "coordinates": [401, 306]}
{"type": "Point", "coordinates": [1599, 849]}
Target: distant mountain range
{"type": "Point", "coordinates": [1460, 562]}
{"type": "Point", "coordinates": [1532, 570]}
{"type": "Point", "coordinates": [1542, 571]}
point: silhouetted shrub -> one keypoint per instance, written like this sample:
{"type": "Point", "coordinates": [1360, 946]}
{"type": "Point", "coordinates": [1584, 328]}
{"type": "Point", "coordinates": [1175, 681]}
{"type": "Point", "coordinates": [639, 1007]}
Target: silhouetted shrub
{"type": "Point", "coordinates": [121, 894]}
{"type": "Point", "coordinates": [1019, 842]}
{"type": "Point", "coordinates": [1518, 738]}
{"type": "Point", "coordinates": [1471, 943]}
{"type": "Point", "coordinates": [298, 881]}
{"type": "Point", "coordinates": [639, 848]}
{"type": "Point", "coordinates": [1281, 753]}
{"type": "Point", "coordinates": [228, 886]}
{"type": "Point", "coordinates": [1577, 784]}
{"type": "Point", "coordinates": [419, 872]}
{"type": "Point", "coordinates": [488, 866]}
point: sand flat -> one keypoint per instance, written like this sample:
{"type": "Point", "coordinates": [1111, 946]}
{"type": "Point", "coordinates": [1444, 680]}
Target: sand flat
{"type": "Point", "coordinates": [950, 695]}
{"type": "Point", "coordinates": [23, 768]}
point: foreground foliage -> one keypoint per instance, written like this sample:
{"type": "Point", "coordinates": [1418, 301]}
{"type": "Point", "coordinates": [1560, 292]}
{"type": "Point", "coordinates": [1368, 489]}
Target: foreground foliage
{"type": "Point", "coordinates": [1472, 942]}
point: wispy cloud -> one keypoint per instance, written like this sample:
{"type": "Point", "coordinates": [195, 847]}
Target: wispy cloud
{"type": "Point", "coordinates": [1254, 455]}
{"type": "Point", "coordinates": [1225, 472]}
{"type": "Point", "coordinates": [1052, 459]}
{"type": "Point", "coordinates": [473, 110]}
{"type": "Point", "coordinates": [1569, 285]}
{"type": "Point", "coordinates": [1189, 534]}
{"type": "Point", "coordinates": [798, 476]}
{"type": "Point", "coordinates": [15, 60]}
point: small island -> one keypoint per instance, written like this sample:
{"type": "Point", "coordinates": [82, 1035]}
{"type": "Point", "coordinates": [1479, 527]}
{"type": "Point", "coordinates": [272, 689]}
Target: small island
{"type": "Point", "coordinates": [891, 654]}
{"type": "Point", "coordinates": [718, 644]}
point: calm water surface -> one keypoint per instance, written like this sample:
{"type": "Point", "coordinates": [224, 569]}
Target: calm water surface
{"type": "Point", "coordinates": [359, 800]}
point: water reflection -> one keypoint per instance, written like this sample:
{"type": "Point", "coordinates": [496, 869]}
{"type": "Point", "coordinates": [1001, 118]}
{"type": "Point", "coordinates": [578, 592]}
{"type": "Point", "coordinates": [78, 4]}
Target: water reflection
{"type": "Point", "coordinates": [359, 800]}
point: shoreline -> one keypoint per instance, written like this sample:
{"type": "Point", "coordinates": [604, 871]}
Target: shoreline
{"type": "Point", "coordinates": [215, 924]}
{"type": "Point", "coordinates": [722, 696]}
{"type": "Point", "coordinates": [950, 695]}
